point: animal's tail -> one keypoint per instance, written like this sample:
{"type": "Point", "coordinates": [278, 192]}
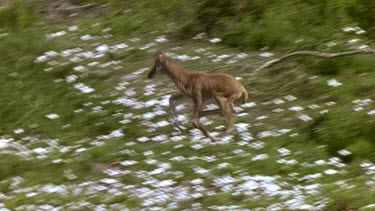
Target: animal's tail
{"type": "Point", "coordinates": [245, 96]}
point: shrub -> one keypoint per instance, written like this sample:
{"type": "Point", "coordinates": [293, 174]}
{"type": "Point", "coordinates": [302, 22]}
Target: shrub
{"type": "Point", "coordinates": [256, 35]}
{"type": "Point", "coordinates": [18, 15]}
{"type": "Point", "coordinates": [123, 24]}
{"type": "Point", "coordinates": [256, 24]}
{"type": "Point", "coordinates": [364, 14]}
{"type": "Point", "coordinates": [345, 130]}
{"type": "Point", "coordinates": [11, 165]}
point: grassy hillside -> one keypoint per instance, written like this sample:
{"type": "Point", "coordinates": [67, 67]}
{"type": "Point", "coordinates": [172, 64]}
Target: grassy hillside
{"type": "Point", "coordinates": [83, 129]}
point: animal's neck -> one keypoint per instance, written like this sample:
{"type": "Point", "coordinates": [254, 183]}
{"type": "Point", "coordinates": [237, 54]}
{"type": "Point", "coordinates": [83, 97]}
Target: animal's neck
{"type": "Point", "coordinates": [178, 75]}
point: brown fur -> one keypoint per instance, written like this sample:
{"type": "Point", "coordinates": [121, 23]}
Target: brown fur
{"type": "Point", "coordinates": [202, 88]}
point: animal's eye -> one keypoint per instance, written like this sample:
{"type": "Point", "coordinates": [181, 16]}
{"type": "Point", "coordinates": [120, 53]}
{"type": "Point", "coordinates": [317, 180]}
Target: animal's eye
{"type": "Point", "coordinates": [158, 66]}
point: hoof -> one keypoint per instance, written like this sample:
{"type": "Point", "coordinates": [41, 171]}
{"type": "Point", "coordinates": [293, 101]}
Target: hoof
{"type": "Point", "coordinates": [226, 132]}
{"type": "Point", "coordinates": [213, 138]}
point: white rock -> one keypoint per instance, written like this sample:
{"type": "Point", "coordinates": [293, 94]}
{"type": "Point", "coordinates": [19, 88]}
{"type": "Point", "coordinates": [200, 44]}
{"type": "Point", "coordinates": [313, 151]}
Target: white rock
{"type": "Point", "coordinates": [108, 181]}
{"type": "Point", "coordinates": [344, 152]}
{"type": "Point", "coordinates": [348, 29]}
{"type": "Point", "coordinates": [260, 157]}
{"type": "Point", "coordinates": [353, 41]}
{"type": "Point", "coordinates": [121, 46]}
{"type": "Point", "coordinates": [84, 88]}
{"type": "Point", "coordinates": [330, 171]}
{"type": "Point", "coordinates": [197, 146]}
{"type": "Point", "coordinates": [86, 37]}
{"type": "Point", "coordinates": [161, 39]}
{"type": "Point", "coordinates": [333, 82]}
{"type": "Point", "coordinates": [79, 68]}
{"type": "Point", "coordinates": [73, 28]}
{"type": "Point", "coordinates": [52, 116]}
{"type": "Point", "coordinates": [71, 78]}
{"type": "Point", "coordinates": [18, 131]}
{"type": "Point", "coordinates": [197, 181]}
{"type": "Point", "coordinates": [128, 162]}
{"type": "Point", "coordinates": [278, 101]}
{"type": "Point", "coordinates": [242, 127]}
{"type": "Point", "coordinates": [290, 97]}
{"type": "Point", "coordinates": [51, 53]}
{"type": "Point", "coordinates": [295, 108]}
{"type": "Point", "coordinates": [266, 54]}
{"type": "Point", "coordinates": [304, 117]}
{"type": "Point", "coordinates": [41, 59]}
{"type": "Point", "coordinates": [82, 149]}
{"type": "Point", "coordinates": [4, 143]}
{"type": "Point", "coordinates": [215, 40]}
{"type": "Point", "coordinates": [160, 138]}
{"type": "Point", "coordinates": [40, 150]}
{"type": "Point", "coordinates": [164, 183]}
{"type": "Point", "coordinates": [102, 48]}
{"type": "Point", "coordinates": [56, 34]}
{"type": "Point", "coordinates": [162, 123]}
{"type": "Point", "coordinates": [283, 151]}
{"type": "Point", "coordinates": [248, 105]}
{"type": "Point", "coordinates": [182, 57]}
{"type": "Point", "coordinates": [116, 133]}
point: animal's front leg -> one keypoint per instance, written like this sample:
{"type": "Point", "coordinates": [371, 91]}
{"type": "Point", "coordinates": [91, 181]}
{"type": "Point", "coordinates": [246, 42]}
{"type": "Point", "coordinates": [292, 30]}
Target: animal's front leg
{"type": "Point", "coordinates": [172, 100]}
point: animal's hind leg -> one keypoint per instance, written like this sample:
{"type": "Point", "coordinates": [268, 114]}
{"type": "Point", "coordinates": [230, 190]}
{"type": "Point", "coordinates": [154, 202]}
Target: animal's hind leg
{"type": "Point", "coordinates": [226, 104]}
{"type": "Point", "coordinates": [210, 112]}
{"type": "Point", "coordinates": [225, 108]}
{"type": "Point", "coordinates": [232, 107]}
{"type": "Point", "coordinates": [195, 120]}
{"type": "Point", "coordinates": [227, 111]}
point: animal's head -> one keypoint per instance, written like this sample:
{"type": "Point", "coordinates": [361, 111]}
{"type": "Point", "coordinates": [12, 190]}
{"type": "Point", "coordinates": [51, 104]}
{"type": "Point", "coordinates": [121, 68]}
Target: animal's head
{"type": "Point", "coordinates": [160, 66]}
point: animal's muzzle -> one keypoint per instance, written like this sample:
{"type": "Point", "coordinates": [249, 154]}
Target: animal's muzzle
{"type": "Point", "coordinates": [151, 74]}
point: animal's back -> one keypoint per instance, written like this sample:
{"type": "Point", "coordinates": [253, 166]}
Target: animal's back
{"type": "Point", "coordinates": [219, 83]}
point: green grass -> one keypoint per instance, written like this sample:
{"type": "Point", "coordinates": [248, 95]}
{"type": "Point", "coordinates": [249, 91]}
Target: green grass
{"type": "Point", "coordinates": [79, 153]}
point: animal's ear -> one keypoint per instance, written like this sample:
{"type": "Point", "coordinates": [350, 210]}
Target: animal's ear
{"type": "Point", "coordinates": [158, 55]}
{"type": "Point", "coordinates": [161, 57]}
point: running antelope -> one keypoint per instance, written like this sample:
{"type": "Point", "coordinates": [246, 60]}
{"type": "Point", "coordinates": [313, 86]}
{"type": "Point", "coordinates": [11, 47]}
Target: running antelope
{"type": "Point", "coordinates": [201, 88]}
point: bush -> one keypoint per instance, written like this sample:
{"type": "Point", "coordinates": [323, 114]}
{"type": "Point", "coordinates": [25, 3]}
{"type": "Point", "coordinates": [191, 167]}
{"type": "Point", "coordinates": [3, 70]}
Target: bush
{"type": "Point", "coordinates": [364, 14]}
{"type": "Point", "coordinates": [11, 165]}
{"type": "Point", "coordinates": [345, 130]}
{"type": "Point", "coordinates": [326, 67]}
{"type": "Point", "coordinates": [361, 148]}
{"type": "Point", "coordinates": [256, 36]}
{"type": "Point", "coordinates": [124, 25]}
{"type": "Point", "coordinates": [18, 15]}
{"type": "Point", "coordinates": [256, 24]}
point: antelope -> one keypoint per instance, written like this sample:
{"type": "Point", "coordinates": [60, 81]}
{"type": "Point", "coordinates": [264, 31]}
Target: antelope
{"type": "Point", "coordinates": [201, 88]}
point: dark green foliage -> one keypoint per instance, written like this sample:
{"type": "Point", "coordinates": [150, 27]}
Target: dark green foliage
{"type": "Point", "coordinates": [209, 13]}
{"type": "Point", "coordinates": [29, 93]}
{"type": "Point", "coordinates": [362, 64]}
{"type": "Point", "coordinates": [363, 12]}
{"type": "Point", "coordinates": [124, 24]}
{"type": "Point", "coordinates": [12, 165]}
{"type": "Point", "coordinates": [345, 130]}
{"type": "Point", "coordinates": [255, 36]}
{"type": "Point", "coordinates": [325, 67]}
{"type": "Point", "coordinates": [256, 24]}
{"type": "Point", "coordinates": [18, 15]}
